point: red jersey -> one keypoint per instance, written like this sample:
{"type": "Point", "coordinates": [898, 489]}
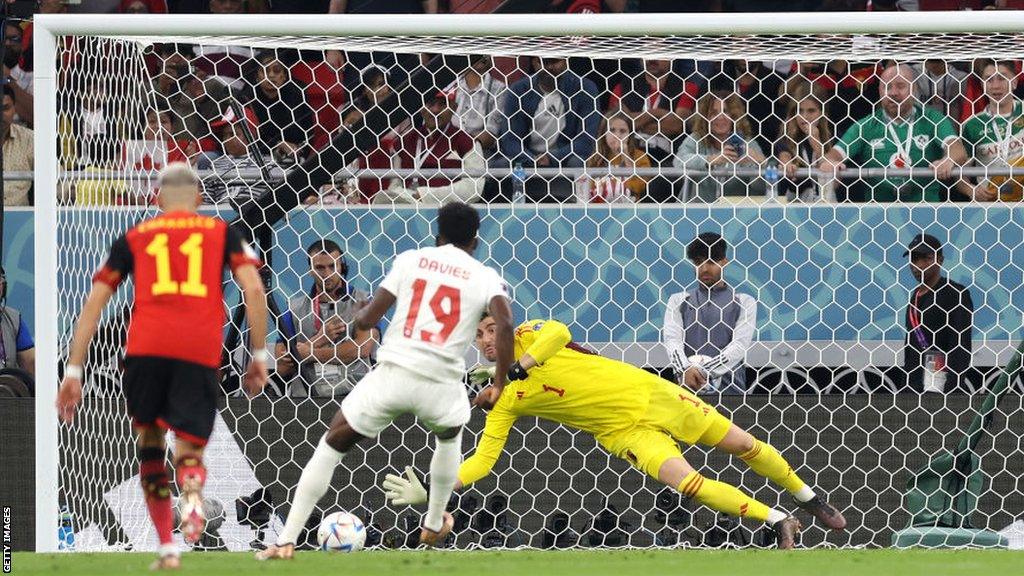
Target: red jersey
{"type": "Point", "coordinates": [177, 260]}
{"type": "Point", "coordinates": [443, 148]}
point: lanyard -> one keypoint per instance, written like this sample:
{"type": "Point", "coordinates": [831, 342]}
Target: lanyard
{"type": "Point", "coordinates": [422, 149]}
{"type": "Point", "coordinates": [902, 149]}
{"type": "Point", "coordinates": [317, 312]}
{"type": "Point", "coordinates": [1003, 139]}
{"type": "Point", "coordinates": [916, 321]}
{"type": "Point", "coordinates": [317, 322]}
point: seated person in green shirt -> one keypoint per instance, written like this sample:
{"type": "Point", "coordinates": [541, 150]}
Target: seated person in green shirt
{"type": "Point", "coordinates": [995, 136]}
{"type": "Point", "coordinates": [900, 134]}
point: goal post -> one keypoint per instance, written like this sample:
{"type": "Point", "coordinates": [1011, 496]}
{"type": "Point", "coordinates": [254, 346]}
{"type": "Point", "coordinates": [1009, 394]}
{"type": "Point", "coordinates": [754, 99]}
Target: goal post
{"type": "Point", "coordinates": [70, 237]}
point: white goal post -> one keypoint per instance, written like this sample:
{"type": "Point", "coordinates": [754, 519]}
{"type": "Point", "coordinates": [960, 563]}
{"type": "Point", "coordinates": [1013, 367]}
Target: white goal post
{"type": "Point", "coordinates": [797, 36]}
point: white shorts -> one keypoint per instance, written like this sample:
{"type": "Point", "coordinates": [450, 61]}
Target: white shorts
{"type": "Point", "coordinates": [389, 391]}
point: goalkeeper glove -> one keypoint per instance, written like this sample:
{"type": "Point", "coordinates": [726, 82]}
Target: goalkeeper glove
{"type": "Point", "coordinates": [516, 372]}
{"type": "Point", "coordinates": [407, 491]}
{"type": "Point", "coordinates": [480, 374]}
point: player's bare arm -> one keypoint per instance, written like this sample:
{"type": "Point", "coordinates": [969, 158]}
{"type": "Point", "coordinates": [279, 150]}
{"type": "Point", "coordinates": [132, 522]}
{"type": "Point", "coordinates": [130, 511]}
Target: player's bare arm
{"type": "Point", "coordinates": [369, 316]}
{"type": "Point", "coordinates": [70, 393]}
{"type": "Point", "coordinates": [255, 296]}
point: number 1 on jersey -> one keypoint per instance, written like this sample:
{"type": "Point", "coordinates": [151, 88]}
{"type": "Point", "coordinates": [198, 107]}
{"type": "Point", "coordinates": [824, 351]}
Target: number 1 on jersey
{"type": "Point", "coordinates": [448, 319]}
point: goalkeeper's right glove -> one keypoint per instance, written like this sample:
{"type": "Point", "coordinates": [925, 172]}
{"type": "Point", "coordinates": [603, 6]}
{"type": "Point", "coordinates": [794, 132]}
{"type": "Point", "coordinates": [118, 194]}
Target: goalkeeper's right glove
{"type": "Point", "coordinates": [407, 491]}
{"type": "Point", "coordinates": [480, 374]}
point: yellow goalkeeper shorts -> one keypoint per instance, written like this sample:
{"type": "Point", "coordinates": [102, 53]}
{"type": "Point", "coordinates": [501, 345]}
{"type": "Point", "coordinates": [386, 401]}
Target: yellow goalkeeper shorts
{"type": "Point", "coordinates": [673, 415]}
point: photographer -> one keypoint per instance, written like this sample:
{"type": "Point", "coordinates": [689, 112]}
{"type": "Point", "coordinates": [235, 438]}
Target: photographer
{"type": "Point", "coordinates": [332, 355]}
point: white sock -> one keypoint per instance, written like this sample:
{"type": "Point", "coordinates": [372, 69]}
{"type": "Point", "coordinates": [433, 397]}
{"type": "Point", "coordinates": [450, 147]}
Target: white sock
{"type": "Point", "coordinates": [169, 550]}
{"type": "Point", "coordinates": [776, 515]}
{"type": "Point", "coordinates": [804, 494]}
{"type": "Point", "coordinates": [316, 476]}
{"type": "Point", "coordinates": [444, 471]}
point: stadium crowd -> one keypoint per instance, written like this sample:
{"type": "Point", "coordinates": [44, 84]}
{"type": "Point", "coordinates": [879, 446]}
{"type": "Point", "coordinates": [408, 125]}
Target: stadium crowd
{"type": "Point", "coordinates": [246, 116]}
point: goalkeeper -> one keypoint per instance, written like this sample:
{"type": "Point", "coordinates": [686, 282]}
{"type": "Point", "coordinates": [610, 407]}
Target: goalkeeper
{"type": "Point", "coordinates": [632, 413]}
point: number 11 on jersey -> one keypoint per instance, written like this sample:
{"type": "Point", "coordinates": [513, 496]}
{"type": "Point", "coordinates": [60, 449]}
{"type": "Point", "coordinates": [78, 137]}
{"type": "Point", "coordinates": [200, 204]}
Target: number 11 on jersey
{"type": "Point", "coordinates": [445, 305]}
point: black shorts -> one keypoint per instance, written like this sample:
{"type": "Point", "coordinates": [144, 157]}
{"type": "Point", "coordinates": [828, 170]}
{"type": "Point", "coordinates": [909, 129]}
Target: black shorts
{"type": "Point", "coordinates": [172, 394]}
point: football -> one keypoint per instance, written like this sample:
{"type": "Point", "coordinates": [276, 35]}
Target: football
{"type": "Point", "coordinates": [341, 532]}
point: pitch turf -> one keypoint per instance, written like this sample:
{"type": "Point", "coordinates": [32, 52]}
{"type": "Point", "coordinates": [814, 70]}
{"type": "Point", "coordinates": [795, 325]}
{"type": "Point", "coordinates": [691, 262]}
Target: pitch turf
{"type": "Point", "coordinates": [561, 563]}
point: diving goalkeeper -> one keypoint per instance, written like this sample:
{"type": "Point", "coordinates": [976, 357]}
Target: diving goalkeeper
{"type": "Point", "coordinates": [632, 413]}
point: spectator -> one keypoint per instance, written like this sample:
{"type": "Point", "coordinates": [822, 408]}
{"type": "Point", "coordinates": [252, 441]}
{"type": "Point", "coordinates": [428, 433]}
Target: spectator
{"type": "Point", "coordinates": [198, 102]}
{"type": "Point", "coordinates": [324, 92]}
{"type": "Point", "coordinates": [939, 321]}
{"type": "Point", "coordinates": [239, 177]}
{"type": "Point", "coordinates": [659, 103]}
{"type": "Point", "coordinates": [17, 349]}
{"type": "Point", "coordinates": [807, 135]}
{"type": "Point", "coordinates": [154, 150]}
{"type": "Point", "coordinates": [616, 147]}
{"type": "Point", "coordinates": [282, 112]}
{"type": "Point", "coordinates": [374, 89]}
{"type": "Point", "coordinates": [708, 330]}
{"type": "Point", "coordinates": [900, 134]}
{"type": "Point", "coordinates": [757, 84]}
{"type": "Point", "coordinates": [479, 100]}
{"type": "Point", "coordinates": [332, 354]}
{"type": "Point", "coordinates": [721, 138]}
{"type": "Point", "coordinates": [994, 137]}
{"type": "Point", "coordinates": [21, 79]}
{"type": "Point", "coordinates": [552, 122]}
{"type": "Point", "coordinates": [225, 64]}
{"type": "Point", "coordinates": [97, 124]}
{"type": "Point", "coordinates": [436, 143]}
{"type": "Point", "coordinates": [856, 92]}
{"type": "Point", "coordinates": [940, 86]}
{"type": "Point", "coordinates": [18, 152]}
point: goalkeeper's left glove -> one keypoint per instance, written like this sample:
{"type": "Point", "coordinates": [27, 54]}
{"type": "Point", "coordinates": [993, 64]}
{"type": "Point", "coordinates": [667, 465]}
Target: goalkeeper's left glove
{"type": "Point", "coordinates": [516, 372]}
{"type": "Point", "coordinates": [407, 491]}
{"type": "Point", "coordinates": [480, 374]}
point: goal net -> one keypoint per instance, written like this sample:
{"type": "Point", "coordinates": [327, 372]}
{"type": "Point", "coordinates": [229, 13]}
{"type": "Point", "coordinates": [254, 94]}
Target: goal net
{"type": "Point", "coordinates": [595, 158]}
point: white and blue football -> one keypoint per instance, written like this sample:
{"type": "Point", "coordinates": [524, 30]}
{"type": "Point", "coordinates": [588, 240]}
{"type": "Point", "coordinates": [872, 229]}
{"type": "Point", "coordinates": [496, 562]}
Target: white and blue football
{"type": "Point", "coordinates": [341, 532]}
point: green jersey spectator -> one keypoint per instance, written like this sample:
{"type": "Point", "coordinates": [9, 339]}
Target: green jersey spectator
{"type": "Point", "coordinates": [901, 133]}
{"type": "Point", "coordinates": [994, 137]}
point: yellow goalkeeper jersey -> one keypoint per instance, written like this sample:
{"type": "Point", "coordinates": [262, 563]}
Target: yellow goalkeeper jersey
{"type": "Point", "coordinates": [569, 385]}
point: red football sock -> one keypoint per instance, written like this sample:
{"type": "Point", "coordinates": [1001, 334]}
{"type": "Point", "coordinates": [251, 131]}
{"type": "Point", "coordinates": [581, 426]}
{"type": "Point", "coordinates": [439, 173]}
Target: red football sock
{"type": "Point", "coordinates": [155, 487]}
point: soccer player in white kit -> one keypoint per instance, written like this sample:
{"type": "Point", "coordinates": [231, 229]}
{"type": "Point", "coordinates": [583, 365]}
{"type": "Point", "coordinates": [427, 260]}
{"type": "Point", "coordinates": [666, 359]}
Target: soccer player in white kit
{"type": "Point", "coordinates": [440, 294]}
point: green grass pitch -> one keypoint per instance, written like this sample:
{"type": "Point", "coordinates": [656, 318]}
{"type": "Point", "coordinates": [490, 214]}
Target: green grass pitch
{"type": "Point", "coordinates": [561, 563]}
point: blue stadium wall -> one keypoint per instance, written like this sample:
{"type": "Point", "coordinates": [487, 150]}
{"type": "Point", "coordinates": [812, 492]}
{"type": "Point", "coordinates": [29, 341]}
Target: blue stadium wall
{"type": "Point", "coordinates": [819, 273]}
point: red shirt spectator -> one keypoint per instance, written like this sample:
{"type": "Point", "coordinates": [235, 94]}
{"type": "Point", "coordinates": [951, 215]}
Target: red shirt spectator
{"type": "Point", "coordinates": [436, 143]}
{"type": "Point", "coordinates": [656, 98]}
{"type": "Point", "coordinates": [325, 93]}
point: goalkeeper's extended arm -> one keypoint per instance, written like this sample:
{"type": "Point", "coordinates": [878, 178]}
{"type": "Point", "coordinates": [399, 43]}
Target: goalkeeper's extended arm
{"type": "Point", "coordinates": [547, 341]}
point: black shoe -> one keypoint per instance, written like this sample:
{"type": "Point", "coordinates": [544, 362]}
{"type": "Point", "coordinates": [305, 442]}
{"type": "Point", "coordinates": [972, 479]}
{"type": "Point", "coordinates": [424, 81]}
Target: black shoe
{"type": "Point", "coordinates": [824, 512]}
{"type": "Point", "coordinates": [786, 531]}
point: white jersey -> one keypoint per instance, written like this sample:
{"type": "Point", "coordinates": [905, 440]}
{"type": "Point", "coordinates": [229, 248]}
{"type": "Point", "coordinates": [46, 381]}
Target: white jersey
{"type": "Point", "coordinates": [441, 294]}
